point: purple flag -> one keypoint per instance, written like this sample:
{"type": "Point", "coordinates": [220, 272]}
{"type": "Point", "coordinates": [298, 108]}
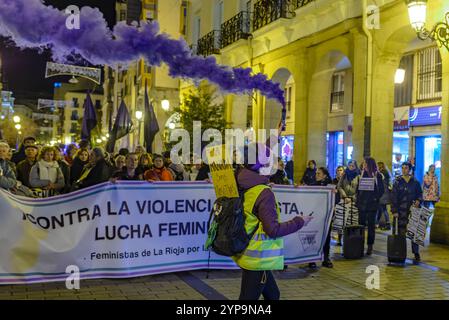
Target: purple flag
{"type": "Point", "coordinates": [89, 118]}
{"type": "Point", "coordinates": [122, 126]}
{"type": "Point", "coordinates": [150, 123]}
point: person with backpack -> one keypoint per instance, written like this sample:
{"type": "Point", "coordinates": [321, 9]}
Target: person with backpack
{"type": "Point", "coordinates": [369, 191]}
{"type": "Point", "coordinates": [264, 252]}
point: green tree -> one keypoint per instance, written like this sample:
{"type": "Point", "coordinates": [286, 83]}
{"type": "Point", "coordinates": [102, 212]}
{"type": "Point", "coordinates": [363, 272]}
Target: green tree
{"type": "Point", "coordinates": [200, 105]}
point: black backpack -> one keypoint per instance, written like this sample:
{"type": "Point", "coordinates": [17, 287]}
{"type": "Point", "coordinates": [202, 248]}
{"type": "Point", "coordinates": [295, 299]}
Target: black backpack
{"type": "Point", "coordinates": [227, 235]}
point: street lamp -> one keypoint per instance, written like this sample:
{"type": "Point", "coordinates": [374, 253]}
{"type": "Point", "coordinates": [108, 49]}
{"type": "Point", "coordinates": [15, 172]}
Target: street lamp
{"type": "Point", "coordinates": [139, 116]}
{"type": "Point", "coordinates": [417, 11]}
{"type": "Point", "coordinates": [18, 126]}
{"type": "Point", "coordinates": [399, 76]}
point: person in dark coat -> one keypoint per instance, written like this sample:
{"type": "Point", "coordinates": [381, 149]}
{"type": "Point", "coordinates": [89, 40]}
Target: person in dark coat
{"type": "Point", "coordinates": [309, 177]}
{"type": "Point", "coordinates": [79, 161]}
{"type": "Point", "coordinates": [406, 193]}
{"type": "Point", "coordinates": [369, 191]}
{"type": "Point", "coordinates": [24, 166]}
{"type": "Point", "coordinates": [96, 172]}
{"type": "Point", "coordinates": [323, 178]}
{"type": "Point", "coordinates": [257, 277]}
{"type": "Point", "coordinates": [203, 172]}
{"type": "Point", "coordinates": [20, 155]}
{"type": "Point", "coordinates": [131, 171]}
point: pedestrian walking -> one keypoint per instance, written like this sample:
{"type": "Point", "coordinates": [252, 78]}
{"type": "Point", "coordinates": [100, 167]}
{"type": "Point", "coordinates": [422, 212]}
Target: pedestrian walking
{"type": "Point", "coordinates": [265, 250]}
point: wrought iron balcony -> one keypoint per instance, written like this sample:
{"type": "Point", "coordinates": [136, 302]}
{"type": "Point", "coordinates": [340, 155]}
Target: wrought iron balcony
{"type": "Point", "coordinates": [267, 11]}
{"type": "Point", "coordinates": [301, 3]}
{"type": "Point", "coordinates": [209, 44]}
{"type": "Point", "coordinates": [236, 28]}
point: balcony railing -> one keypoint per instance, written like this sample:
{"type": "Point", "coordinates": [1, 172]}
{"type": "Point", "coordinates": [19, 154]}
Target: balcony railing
{"type": "Point", "coordinates": [301, 3]}
{"type": "Point", "coordinates": [236, 28]}
{"type": "Point", "coordinates": [267, 11]}
{"type": "Point", "coordinates": [209, 44]}
{"type": "Point", "coordinates": [337, 101]}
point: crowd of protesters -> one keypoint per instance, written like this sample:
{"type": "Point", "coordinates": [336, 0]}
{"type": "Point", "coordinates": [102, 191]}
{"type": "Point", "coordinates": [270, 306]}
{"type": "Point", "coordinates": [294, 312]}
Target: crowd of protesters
{"type": "Point", "coordinates": [45, 171]}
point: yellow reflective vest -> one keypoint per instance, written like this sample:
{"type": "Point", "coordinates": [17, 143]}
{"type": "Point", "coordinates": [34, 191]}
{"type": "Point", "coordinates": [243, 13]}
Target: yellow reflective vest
{"type": "Point", "coordinates": [263, 252]}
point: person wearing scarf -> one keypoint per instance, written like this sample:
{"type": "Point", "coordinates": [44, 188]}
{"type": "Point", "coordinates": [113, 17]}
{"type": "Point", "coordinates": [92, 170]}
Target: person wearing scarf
{"type": "Point", "coordinates": [159, 172]}
{"type": "Point", "coordinates": [46, 173]}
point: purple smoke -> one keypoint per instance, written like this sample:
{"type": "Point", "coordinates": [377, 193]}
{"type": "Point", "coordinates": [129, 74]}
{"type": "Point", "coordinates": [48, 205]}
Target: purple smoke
{"type": "Point", "coordinates": [31, 24]}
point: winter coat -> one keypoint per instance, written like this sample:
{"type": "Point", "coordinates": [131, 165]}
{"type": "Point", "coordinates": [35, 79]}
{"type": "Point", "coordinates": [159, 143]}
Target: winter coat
{"type": "Point", "coordinates": [348, 188]}
{"type": "Point", "coordinates": [279, 177]}
{"type": "Point", "coordinates": [37, 182]}
{"type": "Point", "coordinates": [369, 200]}
{"type": "Point", "coordinates": [101, 172]}
{"type": "Point", "coordinates": [19, 156]}
{"type": "Point", "coordinates": [265, 205]}
{"type": "Point", "coordinates": [23, 172]}
{"type": "Point", "coordinates": [402, 197]}
{"type": "Point", "coordinates": [123, 175]}
{"type": "Point", "coordinates": [309, 177]}
{"type": "Point", "coordinates": [76, 169]}
{"type": "Point", "coordinates": [155, 174]}
{"type": "Point", "coordinates": [7, 176]}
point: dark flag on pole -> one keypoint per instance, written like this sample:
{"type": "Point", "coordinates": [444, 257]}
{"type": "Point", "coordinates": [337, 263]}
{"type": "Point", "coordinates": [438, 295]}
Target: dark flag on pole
{"type": "Point", "coordinates": [150, 123]}
{"type": "Point", "coordinates": [89, 118]}
{"type": "Point", "coordinates": [122, 126]}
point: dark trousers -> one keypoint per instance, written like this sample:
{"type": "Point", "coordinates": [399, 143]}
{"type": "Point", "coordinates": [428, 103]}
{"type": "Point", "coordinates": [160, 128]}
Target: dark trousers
{"type": "Point", "coordinates": [368, 219]}
{"type": "Point", "coordinates": [327, 244]}
{"type": "Point", "coordinates": [383, 211]}
{"type": "Point", "coordinates": [256, 283]}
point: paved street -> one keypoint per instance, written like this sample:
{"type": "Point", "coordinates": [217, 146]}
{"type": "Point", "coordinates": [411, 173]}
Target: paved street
{"type": "Point", "coordinates": [429, 280]}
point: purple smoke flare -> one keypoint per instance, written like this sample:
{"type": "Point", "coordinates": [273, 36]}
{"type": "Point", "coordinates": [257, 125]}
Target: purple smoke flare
{"type": "Point", "coordinates": [32, 24]}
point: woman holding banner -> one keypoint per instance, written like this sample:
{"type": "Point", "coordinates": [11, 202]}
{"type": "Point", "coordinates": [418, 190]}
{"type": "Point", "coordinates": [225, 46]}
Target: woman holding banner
{"type": "Point", "coordinates": [46, 174]}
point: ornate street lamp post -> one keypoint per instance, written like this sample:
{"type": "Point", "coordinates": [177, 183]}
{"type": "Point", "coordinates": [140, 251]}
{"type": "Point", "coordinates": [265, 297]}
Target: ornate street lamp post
{"type": "Point", "coordinates": [417, 10]}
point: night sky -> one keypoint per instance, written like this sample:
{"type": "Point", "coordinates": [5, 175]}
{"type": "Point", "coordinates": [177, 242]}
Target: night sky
{"type": "Point", "coordinates": [24, 71]}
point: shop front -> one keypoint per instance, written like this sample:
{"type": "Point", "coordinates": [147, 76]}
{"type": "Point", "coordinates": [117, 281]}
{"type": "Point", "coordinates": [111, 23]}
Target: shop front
{"type": "Point", "coordinates": [425, 130]}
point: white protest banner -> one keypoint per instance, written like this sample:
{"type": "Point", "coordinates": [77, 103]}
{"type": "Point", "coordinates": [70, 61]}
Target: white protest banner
{"type": "Point", "coordinates": [132, 229]}
{"type": "Point", "coordinates": [417, 225]}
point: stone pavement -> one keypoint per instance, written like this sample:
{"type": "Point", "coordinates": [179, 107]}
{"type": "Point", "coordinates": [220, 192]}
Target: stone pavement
{"type": "Point", "coordinates": [429, 280]}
